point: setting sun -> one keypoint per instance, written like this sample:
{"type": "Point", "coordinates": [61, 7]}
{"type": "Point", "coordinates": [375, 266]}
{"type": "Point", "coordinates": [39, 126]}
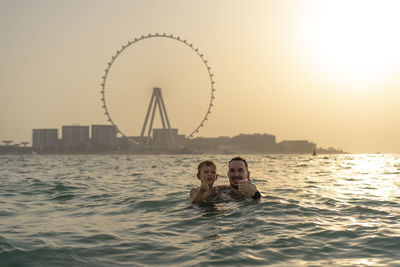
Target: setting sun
{"type": "Point", "coordinates": [353, 42]}
{"type": "Point", "coordinates": [325, 71]}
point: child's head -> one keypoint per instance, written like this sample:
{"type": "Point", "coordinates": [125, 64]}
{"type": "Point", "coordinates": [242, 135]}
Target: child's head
{"type": "Point", "coordinates": [207, 170]}
{"type": "Point", "coordinates": [206, 163]}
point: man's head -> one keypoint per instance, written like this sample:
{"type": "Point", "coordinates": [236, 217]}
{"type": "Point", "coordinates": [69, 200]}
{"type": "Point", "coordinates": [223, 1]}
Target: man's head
{"type": "Point", "coordinates": [207, 170]}
{"type": "Point", "coordinates": [237, 171]}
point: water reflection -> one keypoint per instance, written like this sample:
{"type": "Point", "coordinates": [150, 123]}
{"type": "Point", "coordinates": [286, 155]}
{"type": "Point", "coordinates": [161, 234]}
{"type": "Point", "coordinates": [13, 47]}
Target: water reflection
{"type": "Point", "coordinates": [211, 209]}
{"type": "Point", "coordinates": [365, 177]}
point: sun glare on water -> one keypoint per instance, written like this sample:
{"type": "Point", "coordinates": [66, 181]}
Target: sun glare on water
{"type": "Point", "coordinates": [367, 177]}
{"type": "Point", "coordinates": [353, 42]}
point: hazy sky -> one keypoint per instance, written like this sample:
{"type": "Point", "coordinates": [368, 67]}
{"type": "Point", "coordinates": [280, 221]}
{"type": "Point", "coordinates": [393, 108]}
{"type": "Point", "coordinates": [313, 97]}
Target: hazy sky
{"type": "Point", "coordinates": [325, 71]}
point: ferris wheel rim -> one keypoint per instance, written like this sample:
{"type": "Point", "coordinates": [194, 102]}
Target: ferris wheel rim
{"type": "Point", "coordinates": [157, 35]}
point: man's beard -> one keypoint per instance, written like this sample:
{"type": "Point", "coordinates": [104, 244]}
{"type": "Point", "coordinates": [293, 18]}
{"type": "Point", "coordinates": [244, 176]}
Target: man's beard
{"type": "Point", "coordinates": [235, 186]}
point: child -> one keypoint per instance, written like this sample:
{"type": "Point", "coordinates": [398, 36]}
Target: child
{"type": "Point", "coordinates": [207, 174]}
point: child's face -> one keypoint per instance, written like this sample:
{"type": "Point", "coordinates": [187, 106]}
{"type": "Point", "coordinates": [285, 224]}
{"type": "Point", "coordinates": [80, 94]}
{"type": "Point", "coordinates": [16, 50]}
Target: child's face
{"type": "Point", "coordinates": [208, 174]}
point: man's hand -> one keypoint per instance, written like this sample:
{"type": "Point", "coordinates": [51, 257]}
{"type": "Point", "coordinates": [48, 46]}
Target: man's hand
{"type": "Point", "coordinates": [247, 188]}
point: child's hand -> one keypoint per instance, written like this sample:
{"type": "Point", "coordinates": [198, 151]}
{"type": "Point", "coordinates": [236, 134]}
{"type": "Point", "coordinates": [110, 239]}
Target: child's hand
{"type": "Point", "coordinates": [205, 185]}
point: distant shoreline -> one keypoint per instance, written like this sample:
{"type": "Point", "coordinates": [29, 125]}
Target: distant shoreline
{"type": "Point", "coordinates": [29, 151]}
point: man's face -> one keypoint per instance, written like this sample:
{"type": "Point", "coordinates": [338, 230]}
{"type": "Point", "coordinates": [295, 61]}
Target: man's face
{"type": "Point", "coordinates": [208, 174]}
{"type": "Point", "coordinates": [237, 172]}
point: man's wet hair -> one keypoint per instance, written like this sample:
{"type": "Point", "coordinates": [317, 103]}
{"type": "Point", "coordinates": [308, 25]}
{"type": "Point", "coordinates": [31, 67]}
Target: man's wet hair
{"type": "Point", "coordinates": [206, 163]}
{"type": "Point", "coordinates": [239, 159]}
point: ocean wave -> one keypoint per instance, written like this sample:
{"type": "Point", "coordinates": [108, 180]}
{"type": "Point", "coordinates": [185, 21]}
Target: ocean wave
{"type": "Point", "coordinates": [135, 211]}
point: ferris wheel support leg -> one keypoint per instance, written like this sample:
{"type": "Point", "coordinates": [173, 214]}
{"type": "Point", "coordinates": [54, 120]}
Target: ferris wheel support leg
{"type": "Point", "coordinates": [147, 114]}
{"type": "Point", "coordinates": [161, 113]}
{"type": "Point", "coordinates": [165, 111]}
{"type": "Point", "coordinates": [152, 120]}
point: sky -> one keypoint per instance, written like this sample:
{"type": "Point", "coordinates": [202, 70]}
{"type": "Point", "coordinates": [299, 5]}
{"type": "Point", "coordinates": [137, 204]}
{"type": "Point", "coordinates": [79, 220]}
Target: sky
{"type": "Point", "coordinates": [323, 71]}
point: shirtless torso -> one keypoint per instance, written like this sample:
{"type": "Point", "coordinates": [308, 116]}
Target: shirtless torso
{"type": "Point", "coordinates": [223, 193]}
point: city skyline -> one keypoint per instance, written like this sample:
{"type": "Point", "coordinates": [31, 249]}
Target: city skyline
{"type": "Point", "coordinates": [103, 139]}
{"type": "Point", "coordinates": [90, 129]}
{"type": "Point", "coordinates": [324, 71]}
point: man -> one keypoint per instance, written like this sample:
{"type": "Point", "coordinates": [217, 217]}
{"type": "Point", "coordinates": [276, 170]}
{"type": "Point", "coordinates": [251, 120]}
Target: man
{"type": "Point", "coordinates": [240, 185]}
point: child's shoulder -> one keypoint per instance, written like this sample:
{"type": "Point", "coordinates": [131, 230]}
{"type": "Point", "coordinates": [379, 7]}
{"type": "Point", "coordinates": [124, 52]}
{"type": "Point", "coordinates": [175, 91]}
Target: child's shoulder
{"type": "Point", "coordinates": [194, 189]}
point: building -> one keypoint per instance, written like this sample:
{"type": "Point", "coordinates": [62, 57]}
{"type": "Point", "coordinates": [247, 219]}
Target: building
{"type": "Point", "coordinates": [298, 146]}
{"type": "Point", "coordinates": [254, 142]}
{"type": "Point", "coordinates": [104, 135]}
{"type": "Point", "coordinates": [44, 139]}
{"type": "Point", "coordinates": [75, 135]}
{"type": "Point", "coordinates": [167, 137]}
{"type": "Point", "coordinates": [211, 144]}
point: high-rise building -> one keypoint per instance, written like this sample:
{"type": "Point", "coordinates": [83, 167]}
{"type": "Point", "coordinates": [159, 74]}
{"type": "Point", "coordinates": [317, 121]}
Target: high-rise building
{"type": "Point", "coordinates": [44, 138]}
{"type": "Point", "coordinates": [104, 135]}
{"type": "Point", "coordinates": [75, 135]}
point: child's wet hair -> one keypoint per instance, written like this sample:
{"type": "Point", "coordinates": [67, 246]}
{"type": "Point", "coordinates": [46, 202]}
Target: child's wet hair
{"type": "Point", "coordinates": [206, 163]}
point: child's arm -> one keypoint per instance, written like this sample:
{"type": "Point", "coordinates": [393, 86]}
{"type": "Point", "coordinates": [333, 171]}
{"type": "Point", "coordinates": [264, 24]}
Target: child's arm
{"type": "Point", "coordinates": [199, 194]}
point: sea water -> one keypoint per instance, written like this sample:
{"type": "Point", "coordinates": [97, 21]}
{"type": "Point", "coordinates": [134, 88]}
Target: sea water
{"type": "Point", "coordinates": [134, 210]}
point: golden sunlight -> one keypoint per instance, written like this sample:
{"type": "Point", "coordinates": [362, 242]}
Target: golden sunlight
{"type": "Point", "coordinates": [367, 176]}
{"type": "Point", "coordinates": [353, 42]}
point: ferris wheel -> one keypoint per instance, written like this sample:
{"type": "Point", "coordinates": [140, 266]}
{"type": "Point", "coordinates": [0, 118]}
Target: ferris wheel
{"type": "Point", "coordinates": [157, 71]}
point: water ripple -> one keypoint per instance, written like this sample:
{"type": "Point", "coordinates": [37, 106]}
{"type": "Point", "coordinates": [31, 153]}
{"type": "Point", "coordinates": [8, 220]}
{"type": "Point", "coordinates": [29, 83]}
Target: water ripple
{"type": "Point", "coordinates": [336, 210]}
